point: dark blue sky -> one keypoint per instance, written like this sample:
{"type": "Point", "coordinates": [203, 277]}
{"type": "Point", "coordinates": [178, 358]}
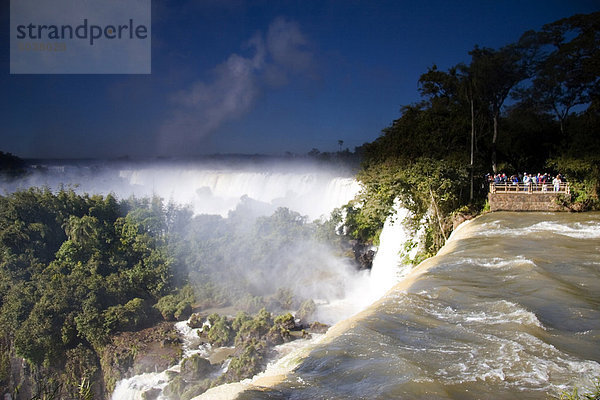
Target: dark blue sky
{"type": "Point", "coordinates": [232, 76]}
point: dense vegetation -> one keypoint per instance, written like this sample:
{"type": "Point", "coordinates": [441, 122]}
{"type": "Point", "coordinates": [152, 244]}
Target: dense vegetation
{"type": "Point", "coordinates": [531, 106]}
{"type": "Point", "coordinates": [75, 270]}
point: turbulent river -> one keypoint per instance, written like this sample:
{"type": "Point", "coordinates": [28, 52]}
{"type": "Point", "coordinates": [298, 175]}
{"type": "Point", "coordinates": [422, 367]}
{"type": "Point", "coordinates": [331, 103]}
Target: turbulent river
{"type": "Point", "coordinates": [510, 308]}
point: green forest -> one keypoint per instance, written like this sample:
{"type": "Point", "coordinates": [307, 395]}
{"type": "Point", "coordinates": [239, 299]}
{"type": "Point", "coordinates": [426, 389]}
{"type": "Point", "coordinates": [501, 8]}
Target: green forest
{"type": "Point", "coordinates": [76, 270]}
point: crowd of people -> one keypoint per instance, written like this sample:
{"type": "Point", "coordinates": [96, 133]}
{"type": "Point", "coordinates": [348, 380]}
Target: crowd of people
{"type": "Point", "coordinates": [527, 180]}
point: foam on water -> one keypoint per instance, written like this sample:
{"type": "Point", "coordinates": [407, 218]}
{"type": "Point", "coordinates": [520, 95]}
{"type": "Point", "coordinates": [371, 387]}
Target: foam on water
{"type": "Point", "coordinates": [488, 313]}
{"type": "Point", "coordinates": [489, 350]}
{"type": "Point", "coordinates": [496, 262]}
{"type": "Point", "coordinates": [133, 388]}
{"type": "Point", "coordinates": [579, 230]}
{"type": "Point", "coordinates": [288, 357]}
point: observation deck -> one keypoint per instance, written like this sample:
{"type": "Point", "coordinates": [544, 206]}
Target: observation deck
{"type": "Point", "coordinates": [527, 197]}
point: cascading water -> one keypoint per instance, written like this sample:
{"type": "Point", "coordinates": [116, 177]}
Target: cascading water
{"type": "Point", "coordinates": [508, 309]}
{"type": "Point", "coordinates": [133, 388]}
{"type": "Point", "coordinates": [360, 289]}
{"type": "Point", "coordinates": [386, 271]}
{"type": "Point", "coordinates": [387, 267]}
{"type": "Point", "coordinates": [209, 188]}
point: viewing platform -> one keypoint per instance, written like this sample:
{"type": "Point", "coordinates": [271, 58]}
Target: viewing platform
{"type": "Point", "coordinates": [527, 197]}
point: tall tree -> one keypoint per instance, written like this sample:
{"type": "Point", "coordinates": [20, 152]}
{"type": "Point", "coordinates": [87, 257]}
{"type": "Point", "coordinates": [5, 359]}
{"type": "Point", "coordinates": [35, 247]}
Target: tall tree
{"type": "Point", "coordinates": [458, 89]}
{"type": "Point", "coordinates": [567, 65]}
{"type": "Point", "coordinates": [496, 72]}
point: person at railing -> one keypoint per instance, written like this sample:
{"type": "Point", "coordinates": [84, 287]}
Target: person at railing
{"type": "Point", "coordinates": [530, 183]}
{"type": "Point", "coordinates": [545, 180]}
{"type": "Point", "coordinates": [556, 182]}
{"type": "Point", "coordinates": [526, 182]}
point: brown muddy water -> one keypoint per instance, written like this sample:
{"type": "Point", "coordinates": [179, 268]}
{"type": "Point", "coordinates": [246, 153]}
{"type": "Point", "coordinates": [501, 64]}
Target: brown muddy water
{"type": "Point", "coordinates": [510, 310]}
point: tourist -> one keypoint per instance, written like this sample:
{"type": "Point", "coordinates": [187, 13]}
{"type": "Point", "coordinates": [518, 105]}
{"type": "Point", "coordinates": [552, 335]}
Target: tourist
{"type": "Point", "coordinates": [556, 182]}
{"type": "Point", "coordinates": [526, 181]}
{"type": "Point", "coordinates": [531, 182]}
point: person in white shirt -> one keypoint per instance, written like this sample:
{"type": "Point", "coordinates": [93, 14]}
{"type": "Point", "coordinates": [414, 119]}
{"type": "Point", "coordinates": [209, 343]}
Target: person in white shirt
{"type": "Point", "coordinates": [556, 182]}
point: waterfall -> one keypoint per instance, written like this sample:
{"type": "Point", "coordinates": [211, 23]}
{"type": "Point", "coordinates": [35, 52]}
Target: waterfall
{"type": "Point", "coordinates": [364, 288]}
{"type": "Point", "coordinates": [314, 193]}
{"type": "Point", "coordinates": [388, 268]}
{"type": "Point", "coordinates": [208, 187]}
{"type": "Point", "coordinates": [218, 191]}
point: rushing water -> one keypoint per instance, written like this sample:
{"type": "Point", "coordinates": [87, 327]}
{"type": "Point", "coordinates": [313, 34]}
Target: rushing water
{"type": "Point", "coordinates": [509, 309]}
{"type": "Point", "coordinates": [209, 187]}
{"type": "Point", "coordinates": [361, 289]}
{"type": "Point", "coordinates": [312, 192]}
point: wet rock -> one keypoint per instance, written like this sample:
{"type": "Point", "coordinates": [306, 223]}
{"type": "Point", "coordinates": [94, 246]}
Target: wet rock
{"type": "Point", "coordinates": [195, 368]}
{"type": "Point", "coordinates": [196, 321]}
{"type": "Point", "coordinates": [459, 218]}
{"type": "Point", "coordinates": [151, 394]}
{"type": "Point", "coordinates": [318, 327]}
{"type": "Point", "coordinates": [363, 254]}
{"type": "Point", "coordinates": [149, 350]}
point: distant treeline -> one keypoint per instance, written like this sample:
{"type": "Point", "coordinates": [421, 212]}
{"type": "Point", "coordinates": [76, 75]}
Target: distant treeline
{"type": "Point", "coordinates": [11, 165]}
{"type": "Point", "coordinates": [533, 105]}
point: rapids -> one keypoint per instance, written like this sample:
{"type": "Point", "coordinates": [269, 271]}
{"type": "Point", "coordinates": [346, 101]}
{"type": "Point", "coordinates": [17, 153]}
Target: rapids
{"type": "Point", "coordinates": [361, 289]}
{"type": "Point", "coordinates": [509, 308]}
{"type": "Point", "coordinates": [314, 192]}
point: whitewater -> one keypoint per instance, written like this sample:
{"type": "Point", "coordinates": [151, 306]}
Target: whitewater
{"type": "Point", "coordinates": [219, 187]}
{"type": "Point", "coordinates": [315, 193]}
{"type": "Point", "coordinates": [211, 186]}
{"type": "Point", "coordinates": [509, 308]}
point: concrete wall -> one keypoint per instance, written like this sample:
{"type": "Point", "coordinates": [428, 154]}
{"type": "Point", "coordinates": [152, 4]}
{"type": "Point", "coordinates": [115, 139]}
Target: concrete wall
{"type": "Point", "coordinates": [524, 202]}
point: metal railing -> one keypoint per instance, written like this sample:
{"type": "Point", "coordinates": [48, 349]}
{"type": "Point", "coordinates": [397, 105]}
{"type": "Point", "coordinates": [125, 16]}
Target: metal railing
{"type": "Point", "coordinates": [530, 188]}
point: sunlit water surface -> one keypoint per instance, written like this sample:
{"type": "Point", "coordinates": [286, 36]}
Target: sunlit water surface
{"type": "Point", "coordinates": [511, 311]}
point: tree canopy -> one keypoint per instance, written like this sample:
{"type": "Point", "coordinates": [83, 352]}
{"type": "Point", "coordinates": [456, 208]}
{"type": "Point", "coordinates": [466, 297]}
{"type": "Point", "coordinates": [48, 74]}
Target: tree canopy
{"type": "Point", "coordinates": [529, 106]}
